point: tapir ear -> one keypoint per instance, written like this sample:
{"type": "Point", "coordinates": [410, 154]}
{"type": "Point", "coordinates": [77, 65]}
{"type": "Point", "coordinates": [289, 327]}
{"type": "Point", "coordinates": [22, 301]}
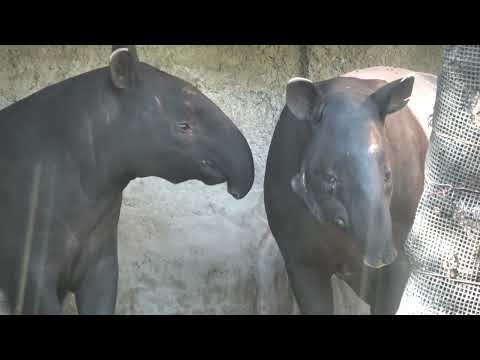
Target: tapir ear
{"type": "Point", "coordinates": [393, 96]}
{"type": "Point", "coordinates": [301, 96]}
{"type": "Point", "coordinates": [131, 48]}
{"type": "Point", "coordinates": [123, 66]}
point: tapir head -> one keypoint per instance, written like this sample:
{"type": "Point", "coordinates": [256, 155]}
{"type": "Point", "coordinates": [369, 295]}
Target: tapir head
{"type": "Point", "coordinates": [177, 133]}
{"type": "Point", "coordinates": [345, 175]}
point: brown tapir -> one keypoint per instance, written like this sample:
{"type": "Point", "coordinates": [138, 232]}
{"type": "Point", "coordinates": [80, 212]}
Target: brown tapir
{"type": "Point", "coordinates": [343, 179]}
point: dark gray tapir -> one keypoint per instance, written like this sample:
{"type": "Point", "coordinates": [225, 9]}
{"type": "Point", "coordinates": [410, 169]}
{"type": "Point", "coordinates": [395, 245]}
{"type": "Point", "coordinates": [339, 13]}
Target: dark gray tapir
{"type": "Point", "coordinates": [343, 179]}
{"type": "Point", "coordinates": [66, 154]}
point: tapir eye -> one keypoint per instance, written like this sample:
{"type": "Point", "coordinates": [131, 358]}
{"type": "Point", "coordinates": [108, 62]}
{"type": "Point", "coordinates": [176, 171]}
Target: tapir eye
{"type": "Point", "coordinates": [340, 222]}
{"type": "Point", "coordinates": [388, 175]}
{"type": "Point", "coordinates": [331, 179]}
{"type": "Point", "coordinates": [183, 126]}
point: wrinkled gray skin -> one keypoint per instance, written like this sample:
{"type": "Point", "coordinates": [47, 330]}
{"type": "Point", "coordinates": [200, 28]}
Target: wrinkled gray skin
{"type": "Point", "coordinates": [344, 176]}
{"type": "Point", "coordinates": [66, 154]}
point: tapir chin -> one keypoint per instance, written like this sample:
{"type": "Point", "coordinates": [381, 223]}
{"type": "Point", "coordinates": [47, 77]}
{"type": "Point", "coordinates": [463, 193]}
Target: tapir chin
{"type": "Point", "coordinates": [344, 176]}
{"type": "Point", "coordinates": [66, 154]}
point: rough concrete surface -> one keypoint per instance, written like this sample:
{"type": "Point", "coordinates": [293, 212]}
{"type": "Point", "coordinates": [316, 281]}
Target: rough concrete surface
{"type": "Point", "coordinates": [333, 60]}
{"type": "Point", "coordinates": [189, 248]}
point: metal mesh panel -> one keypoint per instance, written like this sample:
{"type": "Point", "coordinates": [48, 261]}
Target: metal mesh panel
{"type": "Point", "coordinates": [444, 242]}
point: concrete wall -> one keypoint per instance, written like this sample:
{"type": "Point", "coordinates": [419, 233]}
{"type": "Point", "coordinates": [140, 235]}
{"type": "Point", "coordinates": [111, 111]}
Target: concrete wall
{"type": "Point", "coordinates": [188, 248]}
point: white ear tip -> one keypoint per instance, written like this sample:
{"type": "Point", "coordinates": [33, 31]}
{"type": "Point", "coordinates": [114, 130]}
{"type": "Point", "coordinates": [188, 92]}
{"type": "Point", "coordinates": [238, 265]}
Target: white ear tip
{"type": "Point", "coordinates": [412, 74]}
{"type": "Point", "coordinates": [117, 51]}
{"type": "Point", "coordinates": [296, 79]}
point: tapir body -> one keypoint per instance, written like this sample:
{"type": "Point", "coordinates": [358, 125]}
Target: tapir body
{"type": "Point", "coordinates": [342, 186]}
{"type": "Point", "coordinates": [66, 154]}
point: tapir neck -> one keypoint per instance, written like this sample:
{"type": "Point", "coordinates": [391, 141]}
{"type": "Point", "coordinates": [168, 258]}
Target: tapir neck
{"type": "Point", "coordinates": [91, 123]}
{"type": "Point", "coordinates": [109, 166]}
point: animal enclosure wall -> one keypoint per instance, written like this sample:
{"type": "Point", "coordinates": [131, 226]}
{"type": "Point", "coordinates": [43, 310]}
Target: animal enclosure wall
{"type": "Point", "coordinates": [188, 248]}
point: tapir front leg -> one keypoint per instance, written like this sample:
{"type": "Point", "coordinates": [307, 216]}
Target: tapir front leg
{"type": "Point", "coordinates": [96, 293]}
{"type": "Point", "coordinates": [312, 288]}
{"type": "Point", "coordinates": [391, 284]}
{"type": "Point", "coordinates": [39, 298]}
{"type": "Point", "coordinates": [392, 279]}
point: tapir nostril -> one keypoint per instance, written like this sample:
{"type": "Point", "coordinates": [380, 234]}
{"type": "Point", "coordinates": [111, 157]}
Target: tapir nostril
{"type": "Point", "coordinates": [390, 256]}
{"type": "Point", "coordinates": [236, 195]}
{"type": "Point", "coordinates": [340, 222]}
{"type": "Point", "coordinates": [234, 192]}
{"type": "Point", "coordinates": [207, 163]}
{"type": "Point", "coordinates": [381, 261]}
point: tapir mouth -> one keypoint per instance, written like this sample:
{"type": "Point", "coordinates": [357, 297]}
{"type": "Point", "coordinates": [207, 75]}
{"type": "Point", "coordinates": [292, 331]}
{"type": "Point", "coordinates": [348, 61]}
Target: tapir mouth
{"type": "Point", "coordinates": [212, 175]}
{"type": "Point", "coordinates": [377, 266]}
{"type": "Point", "coordinates": [378, 262]}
